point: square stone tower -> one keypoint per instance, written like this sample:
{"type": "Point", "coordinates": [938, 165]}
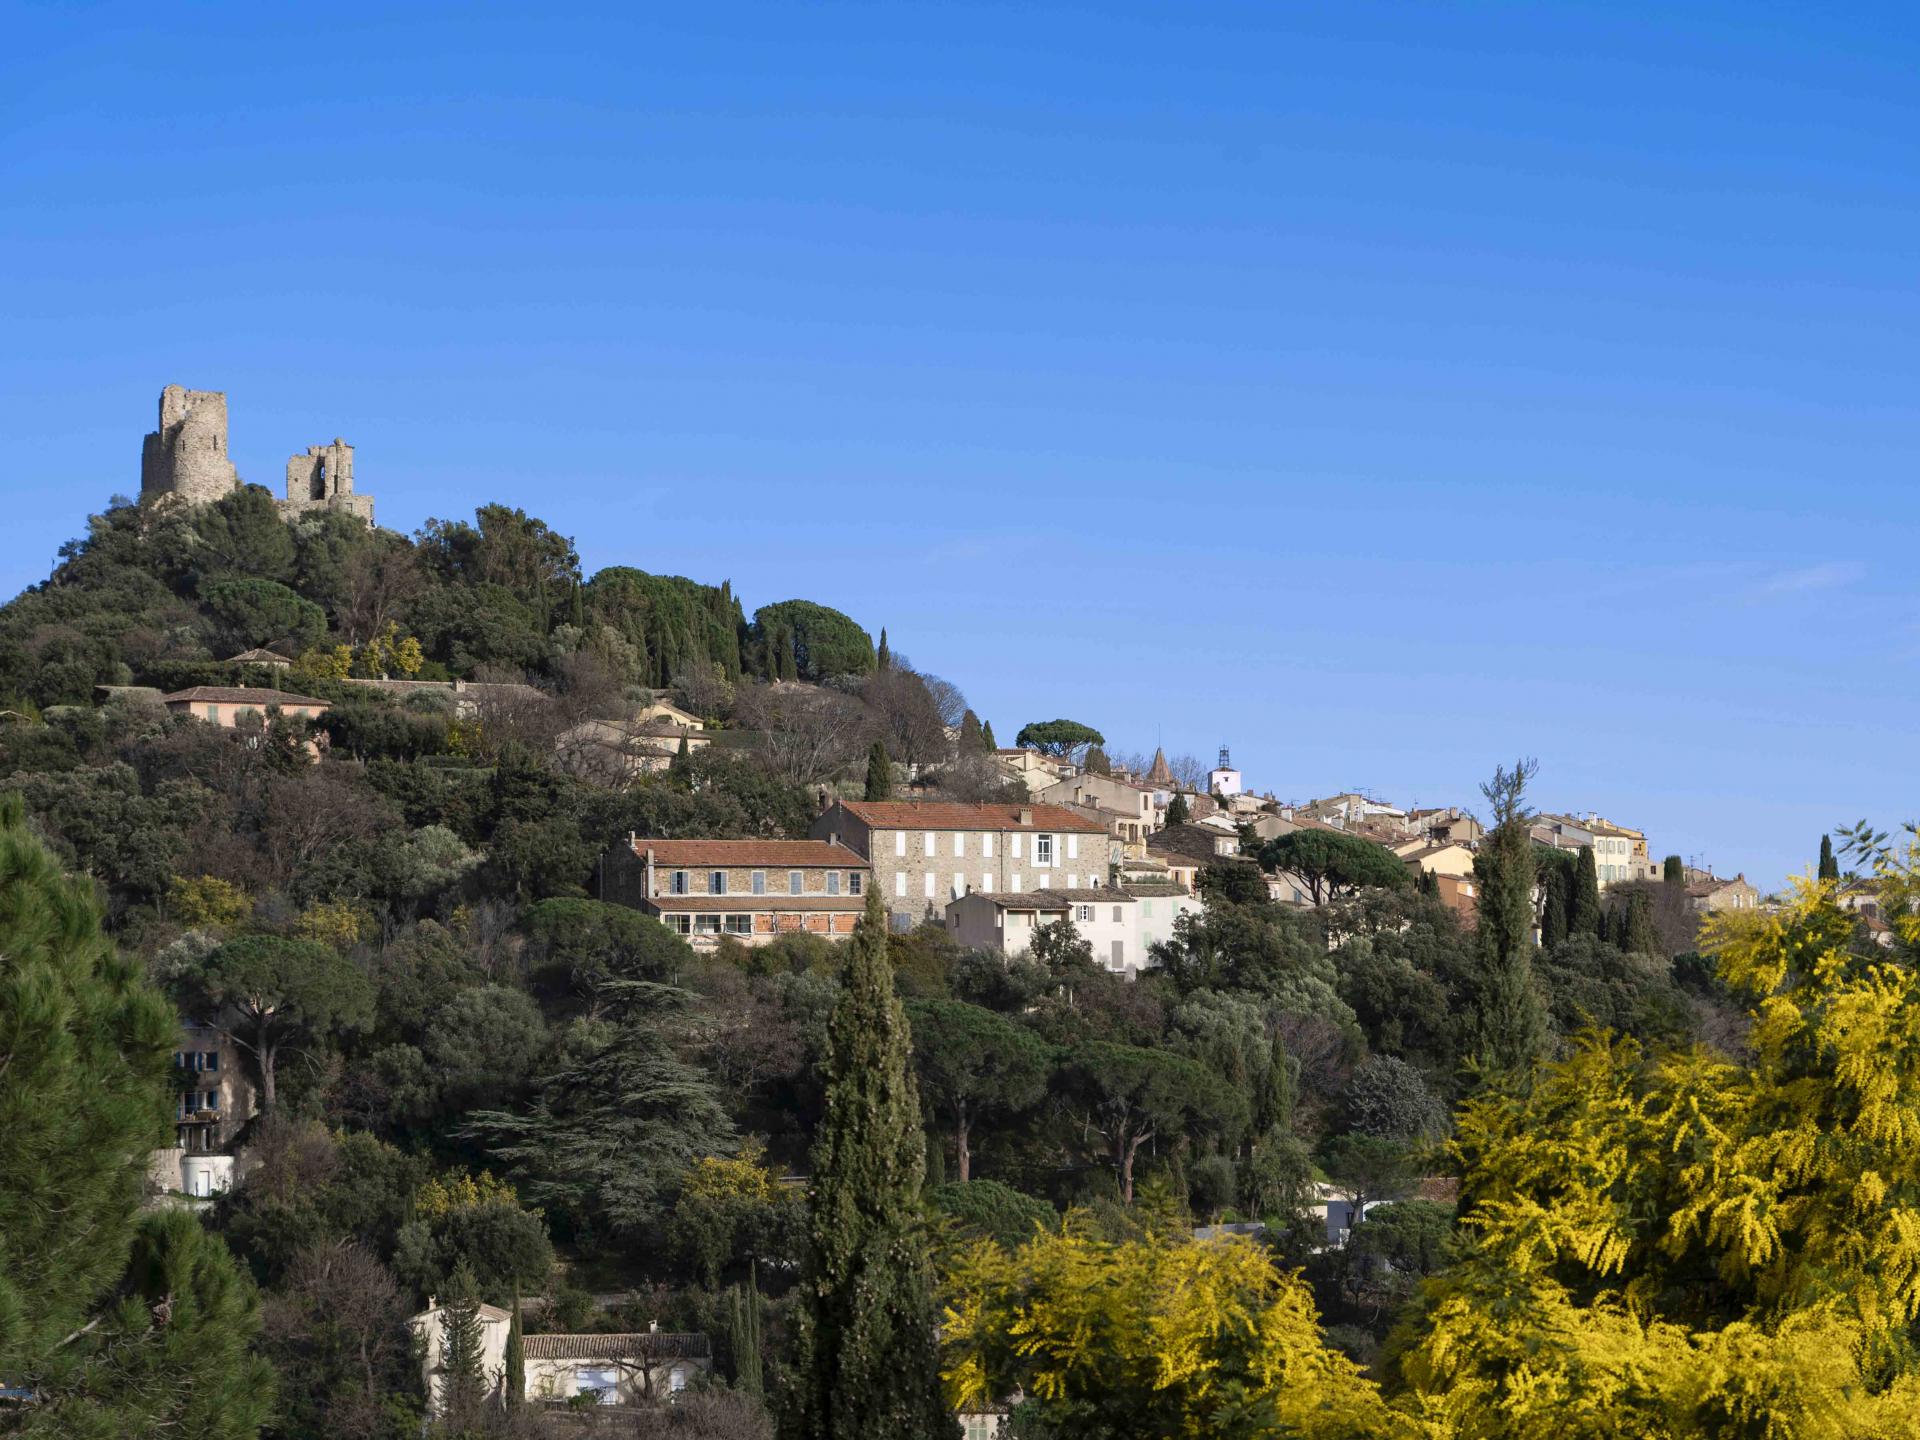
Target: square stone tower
{"type": "Point", "coordinates": [322, 479]}
{"type": "Point", "coordinates": [187, 455]}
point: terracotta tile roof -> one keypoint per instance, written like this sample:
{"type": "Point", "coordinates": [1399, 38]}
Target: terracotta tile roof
{"type": "Point", "coordinates": [1153, 890]}
{"type": "Point", "coordinates": [257, 657]}
{"type": "Point", "coordinates": [943, 815]}
{"type": "Point", "coordinates": [754, 904]}
{"type": "Point", "coordinates": [238, 695]}
{"type": "Point", "coordinates": [1023, 899]}
{"type": "Point", "coordinates": [798, 854]}
{"type": "Point", "coordinates": [646, 1345]}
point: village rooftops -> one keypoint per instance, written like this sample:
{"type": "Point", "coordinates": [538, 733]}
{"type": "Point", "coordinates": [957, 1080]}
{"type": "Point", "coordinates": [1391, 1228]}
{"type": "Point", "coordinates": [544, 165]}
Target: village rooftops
{"type": "Point", "coordinates": [774, 854]}
{"type": "Point", "coordinates": [237, 695]}
{"type": "Point", "coordinates": [1055, 899]}
{"type": "Point", "coordinates": [944, 815]}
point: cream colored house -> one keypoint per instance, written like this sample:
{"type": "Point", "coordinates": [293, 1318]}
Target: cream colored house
{"type": "Point", "coordinates": [636, 1369]}
{"type": "Point", "coordinates": [752, 890]}
{"type": "Point", "coordinates": [228, 705]}
{"type": "Point", "coordinates": [610, 752]}
{"type": "Point", "coordinates": [1126, 808]}
{"type": "Point", "coordinates": [1032, 769]}
{"type": "Point", "coordinates": [1426, 858]}
{"type": "Point", "coordinates": [662, 713]}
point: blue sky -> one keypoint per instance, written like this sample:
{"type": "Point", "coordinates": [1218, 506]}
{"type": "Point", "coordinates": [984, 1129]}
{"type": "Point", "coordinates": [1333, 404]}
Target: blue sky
{"type": "Point", "coordinates": [1385, 390]}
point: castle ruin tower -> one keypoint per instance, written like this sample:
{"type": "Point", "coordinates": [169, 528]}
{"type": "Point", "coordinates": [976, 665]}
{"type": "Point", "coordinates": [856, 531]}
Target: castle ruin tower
{"type": "Point", "coordinates": [322, 479]}
{"type": "Point", "coordinates": [187, 456]}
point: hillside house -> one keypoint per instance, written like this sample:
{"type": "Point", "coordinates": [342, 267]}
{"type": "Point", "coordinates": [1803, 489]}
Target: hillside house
{"type": "Point", "coordinates": [637, 1369]}
{"type": "Point", "coordinates": [1710, 894]}
{"type": "Point", "coordinates": [752, 890]}
{"type": "Point", "coordinates": [925, 852]}
{"type": "Point", "coordinates": [228, 705]}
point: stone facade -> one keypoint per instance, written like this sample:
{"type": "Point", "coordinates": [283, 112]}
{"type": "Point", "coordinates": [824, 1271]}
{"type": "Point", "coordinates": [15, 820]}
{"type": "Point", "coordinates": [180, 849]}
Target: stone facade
{"type": "Point", "coordinates": [322, 479]}
{"type": "Point", "coordinates": [925, 853]}
{"type": "Point", "coordinates": [187, 455]}
{"type": "Point", "coordinates": [752, 890]}
{"type": "Point", "coordinates": [186, 460]}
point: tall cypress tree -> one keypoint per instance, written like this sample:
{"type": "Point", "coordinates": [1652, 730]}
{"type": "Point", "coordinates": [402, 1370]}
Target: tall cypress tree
{"type": "Point", "coordinates": [1585, 916]}
{"type": "Point", "coordinates": [463, 1376]}
{"type": "Point", "coordinates": [515, 1378]}
{"type": "Point", "coordinates": [744, 1335]}
{"type": "Point", "coordinates": [1637, 935]}
{"type": "Point", "coordinates": [1177, 813]}
{"type": "Point", "coordinates": [972, 741]}
{"type": "Point", "coordinates": [884, 660]}
{"type": "Point", "coordinates": [1673, 871]}
{"type": "Point", "coordinates": [1507, 1024]}
{"type": "Point", "coordinates": [1555, 904]}
{"type": "Point", "coordinates": [865, 1364]}
{"type": "Point", "coordinates": [1829, 866]}
{"type": "Point", "coordinates": [986, 734]}
{"type": "Point", "coordinates": [879, 773]}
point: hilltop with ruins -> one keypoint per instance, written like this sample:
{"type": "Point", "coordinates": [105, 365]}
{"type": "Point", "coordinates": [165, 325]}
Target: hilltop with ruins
{"type": "Point", "coordinates": [185, 460]}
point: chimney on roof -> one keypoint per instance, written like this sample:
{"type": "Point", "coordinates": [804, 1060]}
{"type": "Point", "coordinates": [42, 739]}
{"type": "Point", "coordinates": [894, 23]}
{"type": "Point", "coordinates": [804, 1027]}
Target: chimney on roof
{"type": "Point", "coordinates": [1026, 816]}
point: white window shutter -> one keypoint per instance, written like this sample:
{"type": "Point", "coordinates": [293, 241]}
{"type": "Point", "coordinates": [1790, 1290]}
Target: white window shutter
{"type": "Point", "coordinates": [929, 878]}
{"type": "Point", "coordinates": [899, 882]}
{"type": "Point", "coordinates": [900, 842]}
{"type": "Point", "coordinates": [1016, 847]}
{"type": "Point", "coordinates": [1073, 847]}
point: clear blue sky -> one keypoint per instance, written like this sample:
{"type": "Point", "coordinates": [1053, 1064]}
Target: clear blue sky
{"type": "Point", "coordinates": [1384, 389]}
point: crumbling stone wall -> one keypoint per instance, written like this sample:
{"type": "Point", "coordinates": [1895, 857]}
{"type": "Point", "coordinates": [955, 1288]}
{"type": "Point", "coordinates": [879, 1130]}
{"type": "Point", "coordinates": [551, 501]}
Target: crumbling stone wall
{"type": "Point", "coordinates": [322, 479]}
{"type": "Point", "coordinates": [187, 455]}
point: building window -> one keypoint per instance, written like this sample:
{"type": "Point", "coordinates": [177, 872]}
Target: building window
{"type": "Point", "coordinates": [959, 885]}
{"type": "Point", "coordinates": [1119, 954]}
{"type": "Point", "coordinates": [796, 882]}
{"type": "Point", "coordinates": [600, 1383]}
{"type": "Point", "coordinates": [900, 842]}
{"type": "Point", "coordinates": [759, 882]}
{"type": "Point", "coordinates": [1014, 851]}
{"type": "Point", "coordinates": [900, 882]}
{"type": "Point", "coordinates": [931, 840]}
{"type": "Point", "coordinates": [739, 925]}
{"type": "Point", "coordinates": [959, 845]}
{"type": "Point", "coordinates": [1073, 847]}
{"type": "Point", "coordinates": [1043, 849]}
{"type": "Point", "coordinates": [1083, 914]}
{"type": "Point", "coordinates": [928, 877]}
{"type": "Point", "coordinates": [717, 882]}
{"type": "Point", "coordinates": [1014, 884]}
{"type": "Point", "coordinates": [679, 883]}
{"type": "Point", "coordinates": [1116, 914]}
{"type": "Point", "coordinates": [213, 714]}
{"type": "Point", "coordinates": [706, 924]}
{"type": "Point", "coordinates": [986, 847]}
{"type": "Point", "coordinates": [986, 883]}
{"type": "Point", "coordinates": [680, 924]}
{"type": "Point", "coordinates": [833, 882]}
{"type": "Point", "coordinates": [853, 882]}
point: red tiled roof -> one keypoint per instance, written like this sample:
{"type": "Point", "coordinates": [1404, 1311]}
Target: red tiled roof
{"type": "Point", "coordinates": [818, 854]}
{"type": "Point", "coordinates": [649, 1345]}
{"type": "Point", "coordinates": [943, 815]}
{"type": "Point", "coordinates": [754, 904]}
{"type": "Point", "coordinates": [238, 695]}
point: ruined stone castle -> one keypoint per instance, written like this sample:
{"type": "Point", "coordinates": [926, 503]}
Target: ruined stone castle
{"type": "Point", "coordinates": [187, 458]}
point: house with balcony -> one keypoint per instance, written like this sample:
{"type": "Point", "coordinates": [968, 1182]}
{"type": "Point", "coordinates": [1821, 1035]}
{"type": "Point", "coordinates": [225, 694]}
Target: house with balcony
{"type": "Point", "coordinates": [214, 1098]}
{"type": "Point", "coordinates": [752, 890]}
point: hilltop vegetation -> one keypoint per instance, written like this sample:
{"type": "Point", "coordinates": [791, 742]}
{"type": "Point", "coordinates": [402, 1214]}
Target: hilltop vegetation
{"type": "Point", "coordinates": [1623, 1185]}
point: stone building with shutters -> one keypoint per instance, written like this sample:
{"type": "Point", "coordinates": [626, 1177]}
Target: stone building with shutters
{"type": "Point", "coordinates": [752, 890]}
{"type": "Point", "coordinates": [925, 853]}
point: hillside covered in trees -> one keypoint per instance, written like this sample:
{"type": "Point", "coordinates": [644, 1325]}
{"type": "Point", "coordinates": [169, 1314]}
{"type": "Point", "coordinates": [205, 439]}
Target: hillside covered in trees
{"type": "Point", "coordinates": [1622, 1177]}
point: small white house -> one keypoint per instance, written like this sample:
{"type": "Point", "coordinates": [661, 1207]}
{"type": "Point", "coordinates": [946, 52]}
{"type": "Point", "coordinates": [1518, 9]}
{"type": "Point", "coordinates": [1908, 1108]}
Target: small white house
{"type": "Point", "coordinates": [1119, 924]}
{"type": "Point", "coordinates": [634, 1369]}
{"type": "Point", "coordinates": [430, 1326]}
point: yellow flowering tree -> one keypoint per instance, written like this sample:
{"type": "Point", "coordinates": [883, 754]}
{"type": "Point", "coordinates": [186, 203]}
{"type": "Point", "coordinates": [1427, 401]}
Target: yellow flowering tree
{"type": "Point", "coordinates": [1161, 1335]}
{"type": "Point", "coordinates": [207, 902]}
{"type": "Point", "coordinates": [1682, 1245]}
{"type": "Point", "coordinates": [388, 651]}
{"type": "Point", "coordinates": [328, 663]}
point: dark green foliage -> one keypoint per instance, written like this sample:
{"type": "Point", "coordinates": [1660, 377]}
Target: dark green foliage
{"type": "Point", "coordinates": [273, 992]}
{"type": "Point", "coordinates": [1583, 916]}
{"type": "Point", "coordinates": [669, 622]}
{"type": "Point", "coordinates": [1637, 932]}
{"type": "Point", "coordinates": [586, 942]}
{"type": "Point", "coordinates": [1592, 984]}
{"type": "Point", "coordinates": [1506, 1022]}
{"type": "Point", "coordinates": [84, 1086]}
{"type": "Point", "coordinates": [1066, 738]}
{"type": "Point", "coordinates": [1177, 812]}
{"type": "Point", "coordinates": [247, 613]}
{"type": "Point", "coordinates": [1558, 876]}
{"type": "Point", "coordinates": [973, 1064]}
{"type": "Point", "coordinates": [973, 739]}
{"type": "Point", "coordinates": [1097, 763]}
{"type": "Point", "coordinates": [463, 1378]}
{"type": "Point", "coordinates": [513, 1381]}
{"type": "Point", "coordinates": [865, 1365]}
{"type": "Point", "coordinates": [1829, 866]}
{"type": "Point", "coordinates": [1333, 864]}
{"type": "Point", "coordinates": [879, 774]}
{"type": "Point", "coordinates": [743, 1334]}
{"type": "Point", "coordinates": [500, 1247]}
{"type": "Point", "coordinates": [1128, 1096]}
{"type": "Point", "coordinates": [823, 642]}
{"type": "Point", "coordinates": [174, 1355]}
{"type": "Point", "coordinates": [336, 1334]}
{"type": "Point", "coordinates": [987, 741]}
{"type": "Point", "coordinates": [1674, 872]}
{"type": "Point", "coordinates": [617, 1121]}
{"type": "Point", "coordinates": [1387, 1097]}
{"type": "Point", "coordinates": [988, 1210]}
{"type": "Point", "coordinates": [241, 534]}
{"type": "Point", "coordinates": [1367, 1168]}
{"type": "Point", "coordinates": [883, 658]}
